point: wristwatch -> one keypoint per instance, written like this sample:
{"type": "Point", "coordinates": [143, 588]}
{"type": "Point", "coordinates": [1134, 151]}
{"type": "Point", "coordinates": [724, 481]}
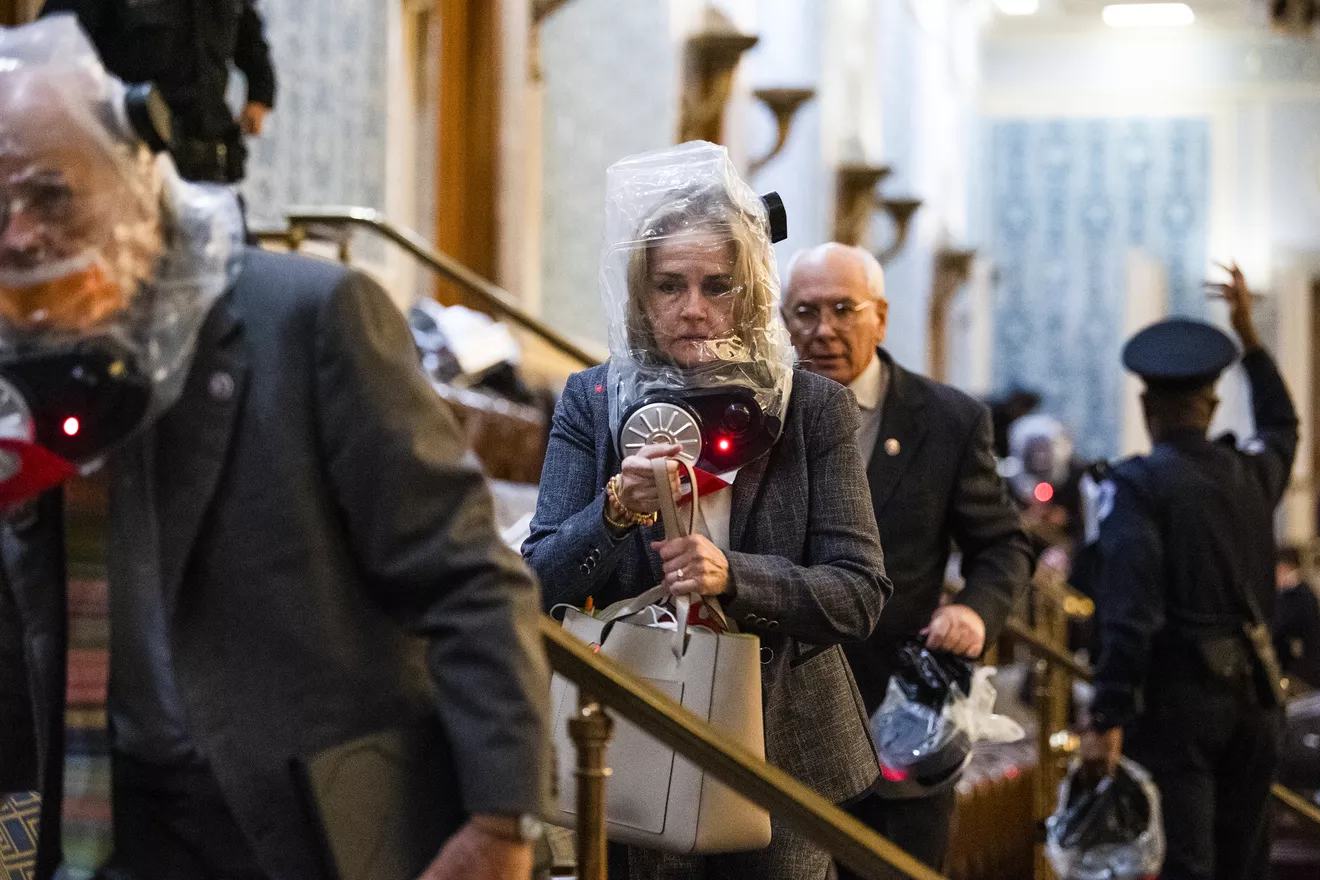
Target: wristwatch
{"type": "Point", "coordinates": [520, 829]}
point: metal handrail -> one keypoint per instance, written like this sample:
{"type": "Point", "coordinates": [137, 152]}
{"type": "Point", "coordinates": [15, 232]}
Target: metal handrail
{"type": "Point", "coordinates": [843, 836]}
{"type": "Point", "coordinates": [1044, 650]}
{"type": "Point", "coordinates": [1063, 660]}
{"type": "Point", "coordinates": [491, 296]}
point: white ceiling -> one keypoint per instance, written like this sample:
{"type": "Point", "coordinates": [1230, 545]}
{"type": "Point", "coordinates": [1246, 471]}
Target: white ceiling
{"type": "Point", "coordinates": [1072, 16]}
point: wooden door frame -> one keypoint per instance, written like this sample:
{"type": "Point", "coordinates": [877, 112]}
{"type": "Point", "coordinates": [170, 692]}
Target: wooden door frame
{"type": "Point", "coordinates": [13, 12]}
{"type": "Point", "coordinates": [1314, 427]}
{"type": "Point", "coordinates": [467, 143]}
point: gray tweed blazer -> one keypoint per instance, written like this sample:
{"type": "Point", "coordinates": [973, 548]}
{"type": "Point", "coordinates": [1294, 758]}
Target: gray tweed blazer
{"type": "Point", "coordinates": [805, 562]}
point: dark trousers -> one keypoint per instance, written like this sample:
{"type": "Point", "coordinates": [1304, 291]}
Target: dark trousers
{"type": "Point", "coordinates": [918, 825]}
{"type": "Point", "coordinates": [173, 824]}
{"type": "Point", "coordinates": [1211, 749]}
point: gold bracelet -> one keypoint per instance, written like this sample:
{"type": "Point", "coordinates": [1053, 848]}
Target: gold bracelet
{"type": "Point", "coordinates": [633, 518]}
{"type": "Point", "coordinates": [610, 521]}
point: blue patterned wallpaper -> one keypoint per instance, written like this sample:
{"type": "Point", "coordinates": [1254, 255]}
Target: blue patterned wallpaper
{"type": "Point", "coordinates": [1068, 198]}
{"type": "Point", "coordinates": [325, 142]}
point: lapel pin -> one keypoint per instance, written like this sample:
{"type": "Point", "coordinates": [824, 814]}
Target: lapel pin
{"type": "Point", "coordinates": [221, 386]}
{"type": "Point", "coordinates": [892, 447]}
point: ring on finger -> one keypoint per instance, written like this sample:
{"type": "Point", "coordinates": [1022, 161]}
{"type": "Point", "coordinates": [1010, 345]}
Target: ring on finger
{"type": "Point", "coordinates": [678, 575]}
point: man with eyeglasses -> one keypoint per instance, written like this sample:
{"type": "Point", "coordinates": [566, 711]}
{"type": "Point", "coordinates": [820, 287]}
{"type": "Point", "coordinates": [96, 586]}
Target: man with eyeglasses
{"type": "Point", "coordinates": [931, 467]}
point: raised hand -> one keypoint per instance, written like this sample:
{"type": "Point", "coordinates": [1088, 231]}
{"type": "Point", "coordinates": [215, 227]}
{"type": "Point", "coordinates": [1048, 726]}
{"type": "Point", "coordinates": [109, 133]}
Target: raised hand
{"type": "Point", "coordinates": [1239, 299]}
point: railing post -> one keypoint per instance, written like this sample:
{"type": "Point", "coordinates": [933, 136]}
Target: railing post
{"type": "Point", "coordinates": [1044, 794]}
{"type": "Point", "coordinates": [297, 235]}
{"type": "Point", "coordinates": [591, 729]}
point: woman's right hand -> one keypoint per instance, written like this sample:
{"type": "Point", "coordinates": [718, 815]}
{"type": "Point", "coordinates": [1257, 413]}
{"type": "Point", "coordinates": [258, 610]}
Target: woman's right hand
{"type": "Point", "coordinates": [637, 491]}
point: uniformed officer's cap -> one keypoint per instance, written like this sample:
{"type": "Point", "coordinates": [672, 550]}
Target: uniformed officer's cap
{"type": "Point", "coordinates": [1179, 354]}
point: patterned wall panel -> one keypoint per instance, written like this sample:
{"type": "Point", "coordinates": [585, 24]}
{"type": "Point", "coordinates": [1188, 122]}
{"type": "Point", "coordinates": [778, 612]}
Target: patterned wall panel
{"type": "Point", "coordinates": [325, 142]}
{"type": "Point", "coordinates": [1068, 198]}
{"type": "Point", "coordinates": [610, 90]}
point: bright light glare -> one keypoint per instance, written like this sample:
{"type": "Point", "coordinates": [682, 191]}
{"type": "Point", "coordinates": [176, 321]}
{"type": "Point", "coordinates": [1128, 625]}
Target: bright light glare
{"type": "Point", "coordinates": [1018, 7]}
{"type": "Point", "coordinates": [1148, 15]}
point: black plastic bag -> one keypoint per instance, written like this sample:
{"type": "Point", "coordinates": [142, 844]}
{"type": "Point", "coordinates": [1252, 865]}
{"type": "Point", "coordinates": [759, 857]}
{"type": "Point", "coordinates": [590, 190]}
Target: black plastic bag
{"type": "Point", "coordinates": [1107, 830]}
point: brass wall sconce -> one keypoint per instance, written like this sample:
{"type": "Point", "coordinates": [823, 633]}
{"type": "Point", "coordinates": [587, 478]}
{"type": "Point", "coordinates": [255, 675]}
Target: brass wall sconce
{"type": "Point", "coordinates": [900, 211]}
{"type": "Point", "coordinates": [784, 104]}
{"type": "Point", "coordinates": [541, 10]}
{"type": "Point", "coordinates": [1295, 17]}
{"type": "Point", "coordinates": [854, 200]}
{"type": "Point", "coordinates": [711, 59]}
{"type": "Point", "coordinates": [953, 268]}
{"type": "Point", "coordinates": [855, 204]}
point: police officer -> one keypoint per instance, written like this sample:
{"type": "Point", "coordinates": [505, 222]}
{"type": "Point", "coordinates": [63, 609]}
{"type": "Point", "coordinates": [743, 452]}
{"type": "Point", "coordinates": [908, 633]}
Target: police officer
{"type": "Point", "coordinates": [1186, 681]}
{"type": "Point", "coordinates": [185, 47]}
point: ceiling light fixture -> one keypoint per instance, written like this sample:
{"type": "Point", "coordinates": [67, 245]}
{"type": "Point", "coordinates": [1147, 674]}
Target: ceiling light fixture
{"type": "Point", "coordinates": [1147, 15]}
{"type": "Point", "coordinates": [1018, 7]}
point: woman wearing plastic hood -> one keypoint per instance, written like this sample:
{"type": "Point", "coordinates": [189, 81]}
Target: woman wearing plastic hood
{"type": "Point", "coordinates": [790, 548]}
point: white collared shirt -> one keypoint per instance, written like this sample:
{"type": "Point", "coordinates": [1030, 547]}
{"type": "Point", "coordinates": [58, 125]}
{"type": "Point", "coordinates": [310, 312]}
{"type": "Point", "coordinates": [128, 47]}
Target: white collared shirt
{"type": "Point", "coordinates": [869, 388]}
{"type": "Point", "coordinates": [714, 512]}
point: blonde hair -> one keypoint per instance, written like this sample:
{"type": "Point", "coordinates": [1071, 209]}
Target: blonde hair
{"type": "Point", "coordinates": [707, 209]}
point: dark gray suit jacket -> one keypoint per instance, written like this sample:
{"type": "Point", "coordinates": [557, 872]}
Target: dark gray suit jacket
{"type": "Point", "coordinates": [331, 562]}
{"type": "Point", "coordinates": [805, 562]}
{"type": "Point", "coordinates": [941, 487]}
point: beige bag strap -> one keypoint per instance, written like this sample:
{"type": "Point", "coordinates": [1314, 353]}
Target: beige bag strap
{"type": "Point", "coordinates": [675, 527]}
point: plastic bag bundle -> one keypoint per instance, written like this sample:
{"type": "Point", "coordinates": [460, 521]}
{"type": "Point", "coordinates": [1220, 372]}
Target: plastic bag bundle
{"type": "Point", "coordinates": [936, 707]}
{"type": "Point", "coordinates": [1110, 830]}
{"type": "Point", "coordinates": [689, 284]}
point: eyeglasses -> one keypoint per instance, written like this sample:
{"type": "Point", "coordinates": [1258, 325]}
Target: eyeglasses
{"type": "Point", "coordinates": [842, 315]}
{"type": "Point", "coordinates": [45, 194]}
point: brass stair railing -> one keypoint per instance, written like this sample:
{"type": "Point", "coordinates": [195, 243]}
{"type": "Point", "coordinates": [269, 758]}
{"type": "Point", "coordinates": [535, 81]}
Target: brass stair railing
{"type": "Point", "coordinates": [336, 223]}
{"type": "Point", "coordinates": [608, 683]}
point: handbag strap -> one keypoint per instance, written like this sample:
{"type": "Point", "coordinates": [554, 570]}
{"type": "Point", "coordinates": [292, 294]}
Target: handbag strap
{"type": "Point", "coordinates": [628, 607]}
{"type": "Point", "coordinates": [675, 528]}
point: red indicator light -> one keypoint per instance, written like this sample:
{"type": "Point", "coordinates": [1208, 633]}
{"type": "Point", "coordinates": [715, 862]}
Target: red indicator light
{"type": "Point", "coordinates": [71, 426]}
{"type": "Point", "coordinates": [1044, 492]}
{"type": "Point", "coordinates": [892, 774]}
{"type": "Point", "coordinates": [723, 444]}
